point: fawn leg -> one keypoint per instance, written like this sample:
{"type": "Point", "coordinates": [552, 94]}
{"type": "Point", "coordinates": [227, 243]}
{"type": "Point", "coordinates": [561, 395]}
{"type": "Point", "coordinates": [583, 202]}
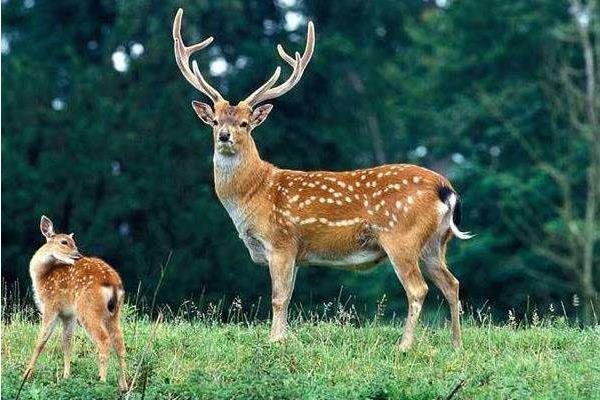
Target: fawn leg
{"type": "Point", "coordinates": [114, 327]}
{"type": "Point", "coordinates": [49, 320]}
{"type": "Point", "coordinates": [69, 324]}
{"type": "Point", "coordinates": [94, 322]}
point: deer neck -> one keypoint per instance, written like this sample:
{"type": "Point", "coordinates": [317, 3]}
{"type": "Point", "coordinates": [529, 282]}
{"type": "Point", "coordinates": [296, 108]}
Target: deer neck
{"type": "Point", "coordinates": [40, 264]}
{"type": "Point", "coordinates": [240, 180]}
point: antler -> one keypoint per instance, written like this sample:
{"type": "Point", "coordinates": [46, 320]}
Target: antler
{"type": "Point", "coordinates": [182, 57]}
{"type": "Point", "coordinates": [298, 63]}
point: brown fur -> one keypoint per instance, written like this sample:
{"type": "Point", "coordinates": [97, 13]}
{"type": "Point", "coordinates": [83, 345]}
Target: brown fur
{"type": "Point", "coordinates": [352, 219]}
{"type": "Point", "coordinates": [73, 288]}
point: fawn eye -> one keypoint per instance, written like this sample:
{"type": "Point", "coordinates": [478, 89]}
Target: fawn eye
{"type": "Point", "coordinates": [215, 122]}
{"type": "Point", "coordinates": [243, 124]}
{"type": "Point", "coordinates": [64, 242]}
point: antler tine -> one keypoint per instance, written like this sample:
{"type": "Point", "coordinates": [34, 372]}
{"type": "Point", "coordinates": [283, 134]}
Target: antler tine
{"type": "Point", "coordinates": [308, 50]}
{"type": "Point", "coordinates": [182, 57]}
{"type": "Point", "coordinates": [298, 63]}
{"type": "Point", "coordinates": [284, 55]}
{"type": "Point", "coordinates": [267, 85]}
{"type": "Point", "coordinates": [215, 96]}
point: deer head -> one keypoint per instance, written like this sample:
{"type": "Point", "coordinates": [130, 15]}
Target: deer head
{"type": "Point", "coordinates": [59, 247]}
{"type": "Point", "coordinates": [232, 124]}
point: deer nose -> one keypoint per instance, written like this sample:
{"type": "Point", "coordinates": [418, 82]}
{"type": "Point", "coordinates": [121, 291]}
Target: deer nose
{"type": "Point", "coordinates": [77, 255]}
{"type": "Point", "coordinates": [224, 136]}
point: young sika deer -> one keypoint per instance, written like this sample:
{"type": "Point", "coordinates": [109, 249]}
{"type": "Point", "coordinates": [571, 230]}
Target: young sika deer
{"type": "Point", "coordinates": [352, 219]}
{"type": "Point", "coordinates": [71, 287]}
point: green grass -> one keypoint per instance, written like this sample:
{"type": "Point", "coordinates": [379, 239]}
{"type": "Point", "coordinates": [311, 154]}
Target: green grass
{"type": "Point", "coordinates": [319, 360]}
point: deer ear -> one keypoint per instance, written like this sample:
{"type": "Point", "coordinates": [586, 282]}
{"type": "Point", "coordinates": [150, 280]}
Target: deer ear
{"type": "Point", "coordinates": [46, 227]}
{"type": "Point", "coordinates": [260, 114]}
{"type": "Point", "coordinates": [204, 111]}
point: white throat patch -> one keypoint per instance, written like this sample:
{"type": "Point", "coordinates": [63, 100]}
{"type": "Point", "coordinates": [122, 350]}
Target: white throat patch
{"type": "Point", "coordinates": [226, 165]}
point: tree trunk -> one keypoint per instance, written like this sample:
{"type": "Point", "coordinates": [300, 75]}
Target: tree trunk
{"type": "Point", "coordinates": [372, 121]}
{"type": "Point", "coordinates": [593, 174]}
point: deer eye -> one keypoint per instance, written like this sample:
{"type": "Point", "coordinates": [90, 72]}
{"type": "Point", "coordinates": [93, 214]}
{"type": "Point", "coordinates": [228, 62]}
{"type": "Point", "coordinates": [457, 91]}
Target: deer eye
{"type": "Point", "coordinates": [243, 124]}
{"type": "Point", "coordinates": [64, 242]}
{"type": "Point", "coordinates": [215, 122]}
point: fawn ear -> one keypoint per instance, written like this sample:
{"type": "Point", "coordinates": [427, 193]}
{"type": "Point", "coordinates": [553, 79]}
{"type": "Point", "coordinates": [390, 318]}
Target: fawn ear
{"type": "Point", "coordinates": [204, 111]}
{"type": "Point", "coordinates": [260, 114]}
{"type": "Point", "coordinates": [46, 227]}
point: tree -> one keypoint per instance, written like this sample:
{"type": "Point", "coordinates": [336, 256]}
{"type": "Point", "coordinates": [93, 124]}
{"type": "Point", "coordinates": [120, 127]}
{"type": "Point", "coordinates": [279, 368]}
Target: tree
{"type": "Point", "coordinates": [117, 155]}
{"type": "Point", "coordinates": [569, 235]}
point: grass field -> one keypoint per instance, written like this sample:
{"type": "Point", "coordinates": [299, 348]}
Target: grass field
{"type": "Point", "coordinates": [321, 359]}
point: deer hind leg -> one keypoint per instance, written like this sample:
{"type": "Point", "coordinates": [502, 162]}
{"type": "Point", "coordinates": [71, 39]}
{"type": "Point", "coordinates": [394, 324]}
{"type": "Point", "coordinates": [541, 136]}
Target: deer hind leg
{"type": "Point", "coordinates": [435, 267]}
{"type": "Point", "coordinates": [49, 320]}
{"type": "Point", "coordinates": [69, 324]}
{"type": "Point", "coordinates": [405, 261]}
{"type": "Point", "coordinates": [94, 321]}
{"type": "Point", "coordinates": [283, 277]}
{"type": "Point", "coordinates": [114, 327]}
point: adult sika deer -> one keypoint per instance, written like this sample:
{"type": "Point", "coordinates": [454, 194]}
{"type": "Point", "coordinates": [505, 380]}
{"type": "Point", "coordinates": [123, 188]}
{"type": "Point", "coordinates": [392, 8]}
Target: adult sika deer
{"type": "Point", "coordinates": [352, 219]}
{"type": "Point", "coordinates": [70, 287]}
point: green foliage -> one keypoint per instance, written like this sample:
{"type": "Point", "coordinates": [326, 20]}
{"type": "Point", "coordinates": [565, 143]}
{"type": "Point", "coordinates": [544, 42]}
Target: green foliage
{"type": "Point", "coordinates": [127, 166]}
{"type": "Point", "coordinates": [323, 359]}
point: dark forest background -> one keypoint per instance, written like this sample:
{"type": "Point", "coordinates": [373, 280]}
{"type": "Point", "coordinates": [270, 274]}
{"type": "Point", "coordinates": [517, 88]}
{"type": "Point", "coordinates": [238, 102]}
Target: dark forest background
{"type": "Point", "coordinates": [500, 96]}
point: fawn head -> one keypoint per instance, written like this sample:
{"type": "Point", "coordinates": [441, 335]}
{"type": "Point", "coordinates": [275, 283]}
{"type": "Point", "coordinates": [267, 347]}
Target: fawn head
{"type": "Point", "coordinates": [232, 124]}
{"type": "Point", "coordinates": [59, 247]}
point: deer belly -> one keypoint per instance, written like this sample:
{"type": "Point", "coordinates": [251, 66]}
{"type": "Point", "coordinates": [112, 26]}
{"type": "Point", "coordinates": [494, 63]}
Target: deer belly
{"type": "Point", "coordinates": [356, 260]}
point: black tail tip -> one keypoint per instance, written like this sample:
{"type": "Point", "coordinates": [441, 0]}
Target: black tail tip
{"type": "Point", "coordinates": [444, 193]}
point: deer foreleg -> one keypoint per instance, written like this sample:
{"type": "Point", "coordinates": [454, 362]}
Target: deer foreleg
{"type": "Point", "coordinates": [283, 276]}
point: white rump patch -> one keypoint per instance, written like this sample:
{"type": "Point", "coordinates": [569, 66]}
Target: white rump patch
{"type": "Point", "coordinates": [107, 293]}
{"type": "Point", "coordinates": [442, 208]}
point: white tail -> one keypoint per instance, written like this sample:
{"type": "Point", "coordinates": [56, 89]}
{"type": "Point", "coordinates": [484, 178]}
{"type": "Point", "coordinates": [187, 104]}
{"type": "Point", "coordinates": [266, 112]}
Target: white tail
{"type": "Point", "coordinates": [457, 232]}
